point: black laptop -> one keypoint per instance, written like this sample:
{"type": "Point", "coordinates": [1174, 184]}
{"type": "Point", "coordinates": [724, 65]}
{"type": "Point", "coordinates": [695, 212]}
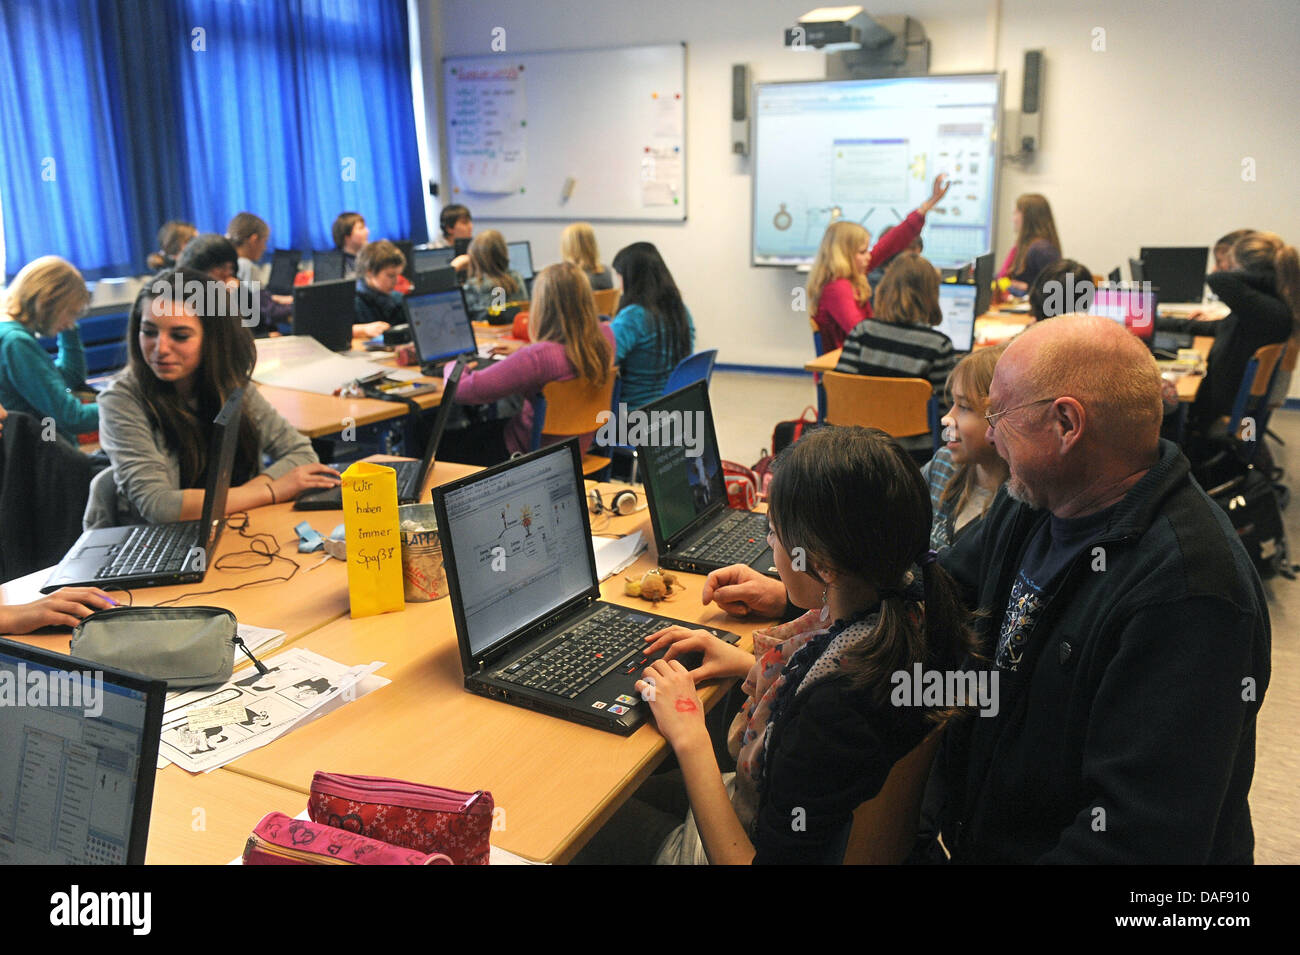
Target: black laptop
{"type": "Point", "coordinates": [521, 261]}
{"type": "Point", "coordinates": [326, 311]}
{"type": "Point", "coordinates": [155, 555]}
{"type": "Point", "coordinates": [441, 329]}
{"type": "Point", "coordinates": [695, 530]}
{"type": "Point", "coordinates": [410, 474]}
{"type": "Point", "coordinates": [327, 265]}
{"type": "Point", "coordinates": [1178, 274]}
{"type": "Point", "coordinates": [434, 280]}
{"type": "Point", "coordinates": [428, 260]}
{"type": "Point", "coordinates": [76, 770]}
{"type": "Point", "coordinates": [532, 629]}
{"type": "Point", "coordinates": [284, 268]}
{"type": "Point", "coordinates": [983, 283]}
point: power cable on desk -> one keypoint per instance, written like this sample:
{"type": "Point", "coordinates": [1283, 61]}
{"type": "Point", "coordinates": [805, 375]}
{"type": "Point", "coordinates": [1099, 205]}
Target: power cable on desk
{"type": "Point", "coordinates": [263, 547]}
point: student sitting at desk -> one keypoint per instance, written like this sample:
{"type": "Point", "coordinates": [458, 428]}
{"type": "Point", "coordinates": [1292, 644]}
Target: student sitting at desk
{"type": "Point", "coordinates": [839, 294]}
{"type": "Point", "coordinates": [45, 298]}
{"type": "Point", "coordinates": [1037, 244]}
{"type": "Point", "coordinates": [818, 733]}
{"type": "Point", "coordinates": [1263, 292]}
{"type": "Point", "coordinates": [378, 304]}
{"type": "Point", "coordinates": [578, 245]}
{"type": "Point", "coordinates": [653, 327]}
{"type": "Point", "coordinates": [568, 341]}
{"type": "Point", "coordinates": [350, 237]}
{"type": "Point", "coordinates": [964, 475]}
{"type": "Point", "coordinates": [173, 236]}
{"type": "Point", "coordinates": [491, 282]}
{"type": "Point", "coordinates": [249, 234]}
{"type": "Point", "coordinates": [1073, 291]}
{"type": "Point", "coordinates": [899, 342]}
{"type": "Point", "coordinates": [186, 354]}
{"type": "Point", "coordinates": [455, 223]}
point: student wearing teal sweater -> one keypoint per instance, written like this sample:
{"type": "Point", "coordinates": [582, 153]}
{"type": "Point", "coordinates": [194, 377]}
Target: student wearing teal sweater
{"type": "Point", "coordinates": [46, 298]}
{"type": "Point", "coordinates": [653, 329]}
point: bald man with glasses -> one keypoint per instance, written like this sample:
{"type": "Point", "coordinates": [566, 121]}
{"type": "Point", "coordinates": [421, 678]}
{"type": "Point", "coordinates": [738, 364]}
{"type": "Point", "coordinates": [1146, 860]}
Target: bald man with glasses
{"type": "Point", "coordinates": [1127, 626]}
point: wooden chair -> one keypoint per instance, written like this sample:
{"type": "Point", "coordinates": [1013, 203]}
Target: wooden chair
{"type": "Point", "coordinates": [900, 407]}
{"type": "Point", "coordinates": [607, 301]}
{"type": "Point", "coordinates": [818, 351]}
{"type": "Point", "coordinates": [884, 827]}
{"type": "Point", "coordinates": [566, 408]}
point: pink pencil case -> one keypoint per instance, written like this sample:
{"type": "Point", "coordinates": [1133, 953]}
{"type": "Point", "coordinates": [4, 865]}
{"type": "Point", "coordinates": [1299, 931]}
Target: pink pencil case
{"type": "Point", "coordinates": [417, 816]}
{"type": "Point", "coordinates": [280, 840]}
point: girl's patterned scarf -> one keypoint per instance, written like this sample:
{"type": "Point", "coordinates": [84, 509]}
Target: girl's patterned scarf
{"type": "Point", "coordinates": [790, 658]}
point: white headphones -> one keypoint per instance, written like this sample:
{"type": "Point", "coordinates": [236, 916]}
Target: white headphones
{"type": "Point", "coordinates": [624, 503]}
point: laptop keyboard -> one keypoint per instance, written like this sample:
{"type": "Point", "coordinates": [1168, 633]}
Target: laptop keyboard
{"type": "Point", "coordinates": [151, 549]}
{"type": "Point", "coordinates": [608, 640]}
{"type": "Point", "coordinates": [739, 539]}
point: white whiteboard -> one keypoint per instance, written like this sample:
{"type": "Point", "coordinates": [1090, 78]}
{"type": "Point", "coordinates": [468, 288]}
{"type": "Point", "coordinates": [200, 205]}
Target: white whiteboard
{"type": "Point", "coordinates": [520, 126]}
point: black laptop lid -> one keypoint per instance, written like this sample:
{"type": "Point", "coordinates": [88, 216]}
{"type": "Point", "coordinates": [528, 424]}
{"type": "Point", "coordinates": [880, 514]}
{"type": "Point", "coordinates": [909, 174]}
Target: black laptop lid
{"type": "Point", "coordinates": [440, 325]}
{"type": "Point", "coordinates": [427, 260]}
{"type": "Point", "coordinates": [221, 454]}
{"type": "Point", "coordinates": [76, 766]}
{"type": "Point", "coordinates": [326, 311]}
{"type": "Point", "coordinates": [284, 268]}
{"type": "Point", "coordinates": [521, 257]}
{"type": "Point", "coordinates": [1178, 274]}
{"type": "Point", "coordinates": [327, 265]}
{"type": "Point", "coordinates": [445, 403]}
{"type": "Point", "coordinates": [516, 541]}
{"type": "Point", "coordinates": [983, 283]}
{"type": "Point", "coordinates": [434, 280]}
{"type": "Point", "coordinates": [681, 465]}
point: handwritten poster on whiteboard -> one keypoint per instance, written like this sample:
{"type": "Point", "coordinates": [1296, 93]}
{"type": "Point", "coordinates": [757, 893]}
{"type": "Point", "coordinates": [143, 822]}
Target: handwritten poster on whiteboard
{"type": "Point", "coordinates": [488, 124]}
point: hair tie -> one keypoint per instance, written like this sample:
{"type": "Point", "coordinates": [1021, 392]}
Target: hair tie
{"type": "Point", "coordinates": [927, 557]}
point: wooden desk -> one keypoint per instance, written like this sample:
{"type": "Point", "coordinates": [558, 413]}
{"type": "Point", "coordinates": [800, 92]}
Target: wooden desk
{"type": "Point", "coordinates": [206, 819]}
{"type": "Point", "coordinates": [556, 781]}
{"type": "Point", "coordinates": [316, 595]}
{"type": "Point", "coordinates": [318, 415]}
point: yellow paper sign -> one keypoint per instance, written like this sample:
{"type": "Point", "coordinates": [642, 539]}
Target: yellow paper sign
{"type": "Point", "coordinates": [374, 545]}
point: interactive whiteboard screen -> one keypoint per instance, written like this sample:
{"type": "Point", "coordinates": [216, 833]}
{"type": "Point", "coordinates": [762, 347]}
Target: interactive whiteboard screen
{"type": "Point", "coordinates": [868, 151]}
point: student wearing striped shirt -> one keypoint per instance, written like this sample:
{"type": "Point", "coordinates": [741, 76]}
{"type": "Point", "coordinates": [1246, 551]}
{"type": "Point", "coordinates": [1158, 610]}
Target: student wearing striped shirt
{"type": "Point", "coordinates": [900, 342]}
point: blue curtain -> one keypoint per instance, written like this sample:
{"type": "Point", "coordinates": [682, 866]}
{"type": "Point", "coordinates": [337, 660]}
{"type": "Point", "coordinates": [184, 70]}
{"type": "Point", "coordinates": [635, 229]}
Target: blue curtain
{"type": "Point", "coordinates": [198, 109]}
{"type": "Point", "coordinates": [62, 166]}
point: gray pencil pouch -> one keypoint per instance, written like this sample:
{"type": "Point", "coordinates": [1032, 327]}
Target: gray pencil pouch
{"type": "Point", "coordinates": [186, 646]}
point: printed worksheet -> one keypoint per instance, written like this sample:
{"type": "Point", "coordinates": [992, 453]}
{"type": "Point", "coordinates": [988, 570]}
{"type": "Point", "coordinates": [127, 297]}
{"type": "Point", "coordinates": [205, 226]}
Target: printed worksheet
{"type": "Point", "coordinates": [205, 729]}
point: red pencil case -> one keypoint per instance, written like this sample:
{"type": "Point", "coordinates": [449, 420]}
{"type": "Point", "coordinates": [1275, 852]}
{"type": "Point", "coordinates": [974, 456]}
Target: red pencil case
{"type": "Point", "coordinates": [279, 840]}
{"type": "Point", "coordinates": [412, 815]}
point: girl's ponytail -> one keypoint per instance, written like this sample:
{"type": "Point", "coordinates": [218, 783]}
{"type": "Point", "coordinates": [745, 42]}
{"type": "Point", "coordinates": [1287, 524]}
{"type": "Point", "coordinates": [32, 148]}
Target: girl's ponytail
{"type": "Point", "coordinates": [1286, 263]}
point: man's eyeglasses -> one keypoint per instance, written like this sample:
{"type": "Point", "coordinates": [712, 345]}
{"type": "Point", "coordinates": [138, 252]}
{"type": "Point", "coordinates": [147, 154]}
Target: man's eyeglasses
{"type": "Point", "coordinates": [992, 418]}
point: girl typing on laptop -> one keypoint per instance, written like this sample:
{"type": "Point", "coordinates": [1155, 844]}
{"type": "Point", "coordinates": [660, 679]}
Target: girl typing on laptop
{"type": "Point", "coordinates": [186, 354]}
{"type": "Point", "coordinates": [818, 733]}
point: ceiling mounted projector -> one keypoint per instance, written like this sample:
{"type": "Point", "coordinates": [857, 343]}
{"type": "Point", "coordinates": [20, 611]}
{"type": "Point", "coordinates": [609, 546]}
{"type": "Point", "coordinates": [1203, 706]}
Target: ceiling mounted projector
{"type": "Point", "coordinates": [831, 29]}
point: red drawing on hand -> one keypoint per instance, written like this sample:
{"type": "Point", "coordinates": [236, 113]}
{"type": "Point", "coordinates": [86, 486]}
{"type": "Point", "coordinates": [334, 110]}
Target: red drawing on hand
{"type": "Point", "coordinates": [686, 706]}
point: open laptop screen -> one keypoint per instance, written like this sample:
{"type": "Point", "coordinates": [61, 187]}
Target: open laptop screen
{"type": "Point", "coordinates": [519, 544]}
{"type": "Point", "coordinates": [77, 763]}
{"type": "Point", "coordinates": [426, 260]}
{"type": "Point", "coordinates": [1134, 308]}
{"type": "Point", "coordinates": [440, 325]}
{"type": "Point", "coordinates": [521, 257]}
{"type": "Point", "coordinates": [957, 302]}
{"type": "Point", "coordinates": [682, 469]}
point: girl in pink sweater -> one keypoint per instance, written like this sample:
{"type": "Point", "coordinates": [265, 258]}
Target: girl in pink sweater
{"type": "Point", "coordinates": [568, 341]}
{"type": "Point", "coordinates": [838, 292]}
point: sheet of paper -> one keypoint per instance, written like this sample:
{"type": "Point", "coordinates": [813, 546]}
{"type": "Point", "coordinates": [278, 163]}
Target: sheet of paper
{"type": "Point", "coordinates": [405, 374]}
{"type": "Point", "coordinates": [661, 177]}
{"type": "Point", "coordinates": [616, 553]}
{"type": "Point", "coordinates": [304, 364]}
{"type": "Point", "coordinates": [299, 683]}
{"type": "Point", "coordinates": [487, 117]}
